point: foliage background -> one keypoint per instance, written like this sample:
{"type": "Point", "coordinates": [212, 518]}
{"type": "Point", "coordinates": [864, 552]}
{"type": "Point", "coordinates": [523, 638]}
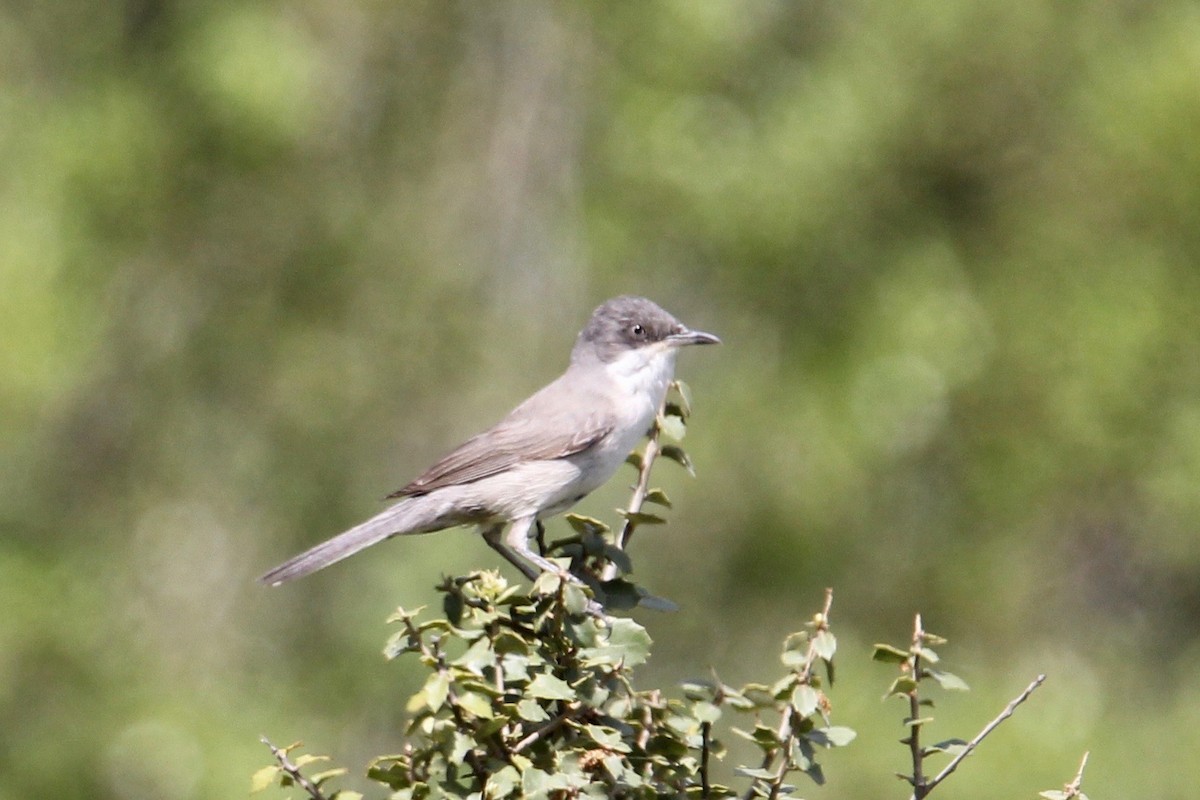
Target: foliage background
{"type": "Point", "coordinates": [262, 262]}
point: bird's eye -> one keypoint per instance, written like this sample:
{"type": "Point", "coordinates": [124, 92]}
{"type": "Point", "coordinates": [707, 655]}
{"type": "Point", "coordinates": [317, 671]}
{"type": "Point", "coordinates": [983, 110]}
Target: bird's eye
{"type": "Point", "coordinates": [638, 331]}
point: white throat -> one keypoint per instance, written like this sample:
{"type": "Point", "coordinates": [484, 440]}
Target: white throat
{"type": "Point", "coordinates": [644, 373]}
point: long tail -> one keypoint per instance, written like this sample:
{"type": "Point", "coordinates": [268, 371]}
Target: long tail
{"type": "Point", "coordinates": [407, 516]}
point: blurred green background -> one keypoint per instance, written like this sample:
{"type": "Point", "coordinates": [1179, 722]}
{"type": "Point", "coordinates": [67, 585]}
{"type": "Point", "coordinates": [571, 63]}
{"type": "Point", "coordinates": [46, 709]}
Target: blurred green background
{"type": "Point", "coordinates": [260, 263]}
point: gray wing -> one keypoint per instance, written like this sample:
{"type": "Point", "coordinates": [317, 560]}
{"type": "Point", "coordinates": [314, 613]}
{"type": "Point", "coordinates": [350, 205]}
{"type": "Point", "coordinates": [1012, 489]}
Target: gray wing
{"type": "Point", "coordinates": [534, 431]}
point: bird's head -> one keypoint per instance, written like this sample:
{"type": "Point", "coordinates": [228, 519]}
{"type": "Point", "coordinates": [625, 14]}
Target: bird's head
{"type": "Point", "coordinates": [629, 324]}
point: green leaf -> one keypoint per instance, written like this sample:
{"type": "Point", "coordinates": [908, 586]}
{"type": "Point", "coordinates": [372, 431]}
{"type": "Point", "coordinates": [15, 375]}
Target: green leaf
{"type": "Point", "coordinates": [794, 658]}
{"type": "Point", "coordinates": [672, 408]}
{"type": "Point", "coordinates": [617, 768]}
{"type": "Point", "coordinates": [400, 614]}
{"type": "Point", "coordinates": [320, 777]}
{"type": "Point", "coordinates": [761, 696]}
{"type": "Point", "coordinates": [762, 736]}
{"type": "Point", "coordinates": [438, 625]}
{"type": "Point", "coordinates": [736, 700]}
{"type": "Point", "coordinates": [502, 782]}
{"type": "Point", "coordinates": [619, 557]}
{"type": "Point", "coordinates": [477, 704]}
{"type": "Point", "coordinates": [635, 459]}
{"type": "Point", "coordinates": [535, 783]}
{"type": "Point", "coordinates": [400, 643]}
{"type": "Point", "coordinates": [462, 745]}
{"type": "Point", "coordinates": [547, 583]}
{"type": "Point", "coordinates": [951, 746]}
{"type": "Point", "coordinates": [627, 643]}
{"type": "Point", "coordinates": [477, 657]}
{"type": "Point", "coordinates": [619, 594]}
{"type": "Point", "coordinates": [436, 689]}
{"type": "Point", "coordinates": [782, 688]}
{"type": "Point", "coordinates": [705, 711]}
{"type": "Point", "coordinates": [507, 642]}
{"type": "Point", "coordinates": [672, 426]}
{"type": "Point", "coordinates": [685, 396]}
{"type": "Point", "coordinates": [1054, 794]}
{"type": "Point", "coordinates": [699, 689]}
{"type": "Point", "coordinates": [548, 687]}
{"type": "Point", "coordinates": [754, 772]}
{"type": "Point", "coordinates": [452, 607]}
{"type": "Point", "coordinates": [654, 602]}
{"type": "Point", "coordinates": [928, 654]}
{"type": "Point", "coordinates": [659, 498]}
{"type": "Point", "coordinates": [825, 644]}
{"type": "Point", "coordinates": [903, 685]}
{"type": "Point", "coordinates": [889, 654]}
{"type": "Point", "coordinates": [641, 517]}
{"type": "Point", "coordinates": [608, 738]}
{"type": "Point", "coordinates": [575, 599]}
{"type": "Point", "coordinates": [530, 711]}
{"type": "Point", "coordinates": [676, 454]}
{"type": "Point", "coordinates": [833, 736]}
{"type": "Point", "coordinates": [948, 680]}
{"type": "Point", "coordinates": [264, 778]}
{"type": "Point", "coordinates": [586, 525]}
{"type": "Point", "coordinates": [805, 700]}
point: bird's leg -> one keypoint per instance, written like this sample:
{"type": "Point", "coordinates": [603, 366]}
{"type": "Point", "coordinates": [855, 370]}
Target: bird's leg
{"type": "Point", "coordinates": [491, 535]}
{"type": "Point", "coordinates": [515, 548]}
{"type": "Point", "coordinates": [516, 541]}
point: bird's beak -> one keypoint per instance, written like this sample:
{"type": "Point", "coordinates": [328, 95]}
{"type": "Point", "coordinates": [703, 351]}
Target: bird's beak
{"type": "Point", "coordinates": [686, 337]}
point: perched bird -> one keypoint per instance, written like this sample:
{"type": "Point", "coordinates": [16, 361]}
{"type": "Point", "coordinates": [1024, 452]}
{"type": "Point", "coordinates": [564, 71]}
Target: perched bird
{"type": "Point", "coordinates": [546, 455]}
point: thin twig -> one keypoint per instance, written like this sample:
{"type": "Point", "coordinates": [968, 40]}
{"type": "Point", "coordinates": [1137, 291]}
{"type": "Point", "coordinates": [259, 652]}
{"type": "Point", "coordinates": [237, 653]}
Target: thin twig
{"type": "Point", "coordinates": [293, 771]}
{"type": "Point", "coordinates": [640, 490]}
{"type": "Point", "coordinates": [1075, 787]}
{"type": "Point", "coordinates": [549, 727]}
{"type": "Point", "coordinates": [920, 788]}
{"type": "Point", "coordinates": [987, 729]}
{"type": "Point", "coordinates": [705, 741]}
{"type": "Point", "coordinates": [786, 731]}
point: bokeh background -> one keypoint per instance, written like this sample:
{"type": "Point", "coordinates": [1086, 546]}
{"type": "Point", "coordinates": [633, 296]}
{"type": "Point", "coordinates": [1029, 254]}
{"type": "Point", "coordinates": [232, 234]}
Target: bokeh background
{"type": "Point", "coordinates": [260, 263]}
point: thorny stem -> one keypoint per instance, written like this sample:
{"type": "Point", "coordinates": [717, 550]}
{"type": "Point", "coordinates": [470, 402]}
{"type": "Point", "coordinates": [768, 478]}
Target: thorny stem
{"type": "Point", "coordinates": [549, 727]}
{"type": "Point", "coordinates": [1075, 787]}
{"type": "Point", "coordinates": [293, 771]}
{"type": "Point", "coordinates": [987, 729]}
{"type": "Point", "coordinates": [786, 731]}
{"type": "Point", "coordinates": [640, 489]}
{"type": "Point", "coordinates": [920, 789]}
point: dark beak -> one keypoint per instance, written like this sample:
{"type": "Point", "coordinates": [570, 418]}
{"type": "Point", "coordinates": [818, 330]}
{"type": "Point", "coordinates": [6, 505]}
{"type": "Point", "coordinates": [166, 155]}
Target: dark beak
{"type": "Point", "coordinates": [686, 337]}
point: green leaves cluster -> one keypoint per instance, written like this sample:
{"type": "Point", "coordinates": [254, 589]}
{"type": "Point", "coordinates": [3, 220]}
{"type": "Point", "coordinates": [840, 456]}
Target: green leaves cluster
{"type": "Point", "coordinates": [915, 664]}
{"type": "Point", "coordinates": [289, 772]}
{"type": "Point", "coordinates": [802, 709]}
{"type": "Point", "coordinates": [528, 695]}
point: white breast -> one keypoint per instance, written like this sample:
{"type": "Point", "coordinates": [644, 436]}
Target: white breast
{"type": "Point", "coordinates": [639, 379]}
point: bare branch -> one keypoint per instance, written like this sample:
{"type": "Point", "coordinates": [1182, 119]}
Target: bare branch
{"type": "Point", "coordinates": [1075, 787]}
{"type": "Point", "coordinates": [293, 771]}
{"type": "Point", "coordinates": [987, 729]}
{"type": "Point", "coordinates": [549, 727]}
{"type": "Point", "coordinates": [640, 489]}
{"type": "Point", "coordinates": [917, 779]}
{"type": "Point", "coordinates": [786, 731]}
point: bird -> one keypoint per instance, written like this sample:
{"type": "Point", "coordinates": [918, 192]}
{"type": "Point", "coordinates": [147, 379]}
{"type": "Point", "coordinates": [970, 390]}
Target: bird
{"type": "Point", "coordinates": [551, 451]}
